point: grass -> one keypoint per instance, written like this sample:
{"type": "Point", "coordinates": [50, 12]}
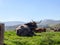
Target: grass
{"type": "Point", "coordinates": [45, 38]}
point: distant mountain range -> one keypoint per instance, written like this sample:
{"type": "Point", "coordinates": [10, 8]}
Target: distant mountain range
{"type": "Point", "coordinates": [13, 24]}
{"type": "Point", "coordinates": [49, 22]}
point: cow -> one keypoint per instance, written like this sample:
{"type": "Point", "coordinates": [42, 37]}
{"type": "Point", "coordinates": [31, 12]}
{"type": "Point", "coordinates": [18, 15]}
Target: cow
{"type": "Point", "coordinates": [26, 29]}
{"type": "Point", "coordinates": [39, 30]}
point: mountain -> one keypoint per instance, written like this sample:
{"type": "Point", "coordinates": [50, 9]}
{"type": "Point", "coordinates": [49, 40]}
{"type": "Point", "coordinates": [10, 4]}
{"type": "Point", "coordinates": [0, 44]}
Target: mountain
{"type": "Point", "coordinates": [11, 25]}
{"type": "Point", "coordinates": [48, 22]}
{"type": "Point", "coordinates": [44, 23]}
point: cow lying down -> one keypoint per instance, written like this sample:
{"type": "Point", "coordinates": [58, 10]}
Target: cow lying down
{"type": "Point", "coordinates": [39, 30]}
{"type": "Point", "coordinates": [24, 30]}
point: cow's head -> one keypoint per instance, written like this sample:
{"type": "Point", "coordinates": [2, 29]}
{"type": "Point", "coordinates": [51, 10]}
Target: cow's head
{"type": "Point", "coordinates": [32, 25]}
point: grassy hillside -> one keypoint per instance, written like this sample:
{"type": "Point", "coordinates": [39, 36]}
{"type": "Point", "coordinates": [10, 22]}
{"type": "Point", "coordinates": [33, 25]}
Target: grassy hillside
{"type": "Point", "coordinates": [45, 38]}
{"type": "Point", "coordinates": [57, 26]}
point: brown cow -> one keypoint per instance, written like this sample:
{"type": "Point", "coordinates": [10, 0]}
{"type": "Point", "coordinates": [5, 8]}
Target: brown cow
{"type": "Point", "coordinates": [39, 30]}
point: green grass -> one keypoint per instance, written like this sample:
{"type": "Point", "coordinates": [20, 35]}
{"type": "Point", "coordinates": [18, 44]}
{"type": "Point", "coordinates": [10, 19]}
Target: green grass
{"type": "Point", "coordinates": [45, 38]}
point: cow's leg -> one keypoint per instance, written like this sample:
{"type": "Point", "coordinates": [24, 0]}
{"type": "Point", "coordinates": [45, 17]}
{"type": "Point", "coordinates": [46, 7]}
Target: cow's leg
{"type": "Point", "coordinates": [17, 32]}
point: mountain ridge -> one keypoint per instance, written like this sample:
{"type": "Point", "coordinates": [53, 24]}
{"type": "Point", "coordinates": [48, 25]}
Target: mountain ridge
{"type": "Point", "coordinates": [44, 23]}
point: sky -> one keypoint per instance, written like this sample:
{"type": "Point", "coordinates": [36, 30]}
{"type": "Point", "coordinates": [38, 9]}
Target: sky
{"type": "Point", "coordinates": [27, 10]}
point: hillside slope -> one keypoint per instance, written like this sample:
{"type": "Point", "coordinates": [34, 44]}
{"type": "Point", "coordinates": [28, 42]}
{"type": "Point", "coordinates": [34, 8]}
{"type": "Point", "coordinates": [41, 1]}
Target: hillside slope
{"type": "Point", "coordinates": [56, 26]}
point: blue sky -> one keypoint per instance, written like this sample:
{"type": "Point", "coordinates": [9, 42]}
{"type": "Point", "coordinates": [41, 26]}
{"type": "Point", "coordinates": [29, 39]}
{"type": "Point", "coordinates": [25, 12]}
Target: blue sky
{"type": "Point", "coordinates": [27, 10]}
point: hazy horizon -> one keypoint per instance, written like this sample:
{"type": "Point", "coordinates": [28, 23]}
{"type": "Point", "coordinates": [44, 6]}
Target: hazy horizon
{"type": "Point", "coordinates": [27, 10]}
{"type": "Point", "coordinates": [31, 20]}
